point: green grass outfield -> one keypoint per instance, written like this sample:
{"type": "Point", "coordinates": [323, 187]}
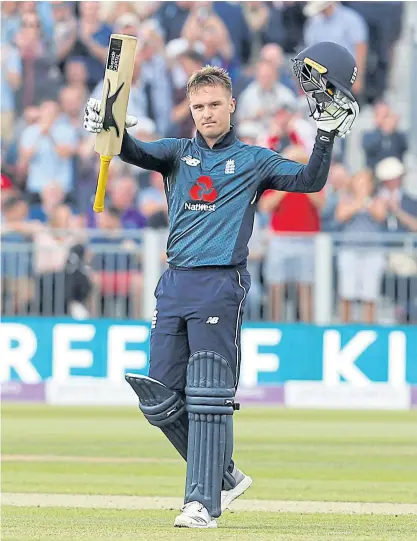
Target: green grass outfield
{"type": "Point", "coordinates": [323, 456]}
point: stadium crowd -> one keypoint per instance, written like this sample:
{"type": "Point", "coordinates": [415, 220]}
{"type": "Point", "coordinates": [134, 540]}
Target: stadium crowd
{"type": "Point", "coordinates": [57, 255]}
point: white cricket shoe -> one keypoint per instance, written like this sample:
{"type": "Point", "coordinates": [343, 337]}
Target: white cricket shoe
{"type": "Point", "coordinates": [194, 515]}
{"type": "Point", "coordinates": [243, 483]}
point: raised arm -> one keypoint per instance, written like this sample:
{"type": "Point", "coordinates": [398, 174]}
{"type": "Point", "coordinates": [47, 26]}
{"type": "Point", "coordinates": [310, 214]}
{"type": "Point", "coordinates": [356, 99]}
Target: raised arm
{"type": "Point", "coordinates": [156, 156]}
{"type": "Point", "coordinates": [279, 173]}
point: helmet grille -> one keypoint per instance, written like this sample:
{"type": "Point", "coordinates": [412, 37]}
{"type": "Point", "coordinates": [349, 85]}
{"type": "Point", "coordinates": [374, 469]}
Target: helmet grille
{"type": "Point", "coordinates": [324, 99]}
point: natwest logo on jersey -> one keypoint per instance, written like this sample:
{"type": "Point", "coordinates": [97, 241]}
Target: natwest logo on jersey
{"type": "Point", "coordinates": [204, 191]}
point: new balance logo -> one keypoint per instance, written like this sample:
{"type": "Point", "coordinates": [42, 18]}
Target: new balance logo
{"type": "Point", "coordinates": [154, 318]}
{"type": "Point", "coordinates": [230, 167]}
{"type": "Point", "coordinates": [189, 160]}
{"type": "Point", "coordinates": [212, 320]}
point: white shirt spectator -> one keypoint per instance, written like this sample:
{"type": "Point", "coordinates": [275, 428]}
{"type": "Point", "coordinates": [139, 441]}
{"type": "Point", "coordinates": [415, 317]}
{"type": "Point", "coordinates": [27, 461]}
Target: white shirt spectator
{"type": "Point", "coordinates": [46, 165]}
{"type": "Point", "coordinates": [258, 105]}
{"type": "Point", "coordinates": [344, 27]}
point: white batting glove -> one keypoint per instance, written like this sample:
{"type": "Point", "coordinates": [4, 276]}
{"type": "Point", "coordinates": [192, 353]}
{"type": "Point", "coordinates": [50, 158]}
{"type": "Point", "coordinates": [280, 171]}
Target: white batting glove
{"type": "Point", "coordinates": [342, 125]}
{"type": "Point", "coordinates": [93, 122]}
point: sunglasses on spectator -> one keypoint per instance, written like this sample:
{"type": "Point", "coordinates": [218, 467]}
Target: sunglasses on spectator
{"type": "Point", "coordinates": [31, 25]}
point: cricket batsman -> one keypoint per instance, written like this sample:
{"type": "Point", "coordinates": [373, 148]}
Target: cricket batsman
{"type": "Point", "coordinates": [212, 185]}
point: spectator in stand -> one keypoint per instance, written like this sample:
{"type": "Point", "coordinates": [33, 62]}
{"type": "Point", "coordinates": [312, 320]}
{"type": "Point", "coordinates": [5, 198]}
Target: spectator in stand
{"type": "Point", "coordinates": [288, 128]}
{"type": "Point", "coordinates": [154, 75]}
{"type": "Point", "coordinates": [53, 243]}
{"type": "Point", "coordinates": [204, 26]}
{"type": "Point", "coordinates": [153, 204]}
{"type": "Point", "coordinates": [273, 53]}
{"type": "Point", "coordinates": [336, 186]}
{"type": "Point", "coordinates": [10, 22]}
{"type": "Point", "coordinates": [11, 80]}
{"type": "Point", "coordinates": [72, 100]}
{"type": "Point", "coordinates": [40, 75]}
{"type": "Point", "coordinates": [113, 10]}
{"type": "Point", "coordinates": [10, 154]}
{"type": "Point", "coordinates": [75, 72]}
{"type": "Point", "coordinates": [16, 261]}
{"type": "Point", "coordinates": [51, 196]}
{"type": "Point", "coordinates": [385, 140]}
{"type": "Point", "coordinates": [122, 194]}
{"type": "Point", "coordinates": [91, 41]}
{"type": "Point", "coordinates": [182, 124]}
{"type": "Point", "coordinates": [7, 191]}
{"type": "Point", "coordinates": [127, 23]}
{"type": "Point", "coordinates": [332, 21]}
{"type": "Point", "coordinates": [172, 16]}
{"type": "Point", "coordinates": [276, 22]}
{"type": "Point", "coordinates": [43, 11]}
{"type": "Point", "coordinates": [116, 268]}
{"type": "Point", "coordinates": [361, 260]}
{"type": "Point", "coordinates": [248, 132]}
{"type": "Point", "coordinates": [402, 207]}
{"type": "Point", "coordinates": [401, 218]}
{"type": "Point", "coordinates": [294, 219]}
{"type": "Point", "coordinates": [263, 98]}
{"type": "Point", "coordinates": [257, 249]}
{"type": "Point", "coordinates": [65, 29]}
{"type": "Point", "coordinates": [290, 37]}
{"type": "Point", "coordinates": [231, 13]}
{"type": "Point", "coordinates": [384, 20]}
{"type": "Point", "coordinates": [46, 151]}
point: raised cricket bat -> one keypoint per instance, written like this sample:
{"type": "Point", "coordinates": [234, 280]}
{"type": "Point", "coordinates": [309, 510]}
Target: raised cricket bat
{"type": "Point", "coordinates": [116, 88]}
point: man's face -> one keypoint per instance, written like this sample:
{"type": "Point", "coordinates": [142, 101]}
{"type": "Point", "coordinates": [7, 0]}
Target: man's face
{"type": "Point", "coordinates": [266, 75]}
{"type": "Point", "coordinates": [17, 213]}
{"type": "Point", "coordinates": [123, 193]}
{"type": "Point", "coordinates": [211, 107]}
{"type": "Point", "coordinates": [393, 184]}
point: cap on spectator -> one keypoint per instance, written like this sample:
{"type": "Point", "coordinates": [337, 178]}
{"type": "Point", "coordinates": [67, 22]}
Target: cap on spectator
{"type": "Point", "coordinates": [248, 129]}
{"type": "Point", "coordinates": [176, 47]}
{"type": "Point", "coordinates": [127, 19]}
{"type": "Point", "coordinates": [313, 8]}
{"type": "Point", "coordinates": [6, 183]}
{"type": "Point", "coordinates": [389, 169]}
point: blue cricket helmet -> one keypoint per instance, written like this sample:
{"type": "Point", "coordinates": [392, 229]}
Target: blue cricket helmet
{"type": "Point", "coordinates": [326, 72]}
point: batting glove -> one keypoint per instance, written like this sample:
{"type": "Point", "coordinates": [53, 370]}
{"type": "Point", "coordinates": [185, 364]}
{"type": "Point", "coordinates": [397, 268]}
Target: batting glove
{"type": "Point", "coordinates": [93, 122]}
{"type": "Point", "coordinates": [342, 125]}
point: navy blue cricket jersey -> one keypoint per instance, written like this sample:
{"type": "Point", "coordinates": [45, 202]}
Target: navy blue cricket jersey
{"type": "Point", "coordinates": [212, 193]}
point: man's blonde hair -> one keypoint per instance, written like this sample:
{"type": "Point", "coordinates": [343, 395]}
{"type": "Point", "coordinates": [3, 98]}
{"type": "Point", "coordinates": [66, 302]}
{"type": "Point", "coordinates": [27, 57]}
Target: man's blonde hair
{"type": "Point", "coordinates": [209, 76]}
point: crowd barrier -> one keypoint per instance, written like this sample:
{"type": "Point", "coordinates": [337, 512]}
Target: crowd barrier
{"type": "Point", "coordinates": [114, 275]}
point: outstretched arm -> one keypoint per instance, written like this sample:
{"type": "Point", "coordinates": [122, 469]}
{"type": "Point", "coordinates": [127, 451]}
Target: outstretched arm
{"type": "Point", "coordinates": [279, 173]}
{"type": "Point", "coordinates": [156, 156]}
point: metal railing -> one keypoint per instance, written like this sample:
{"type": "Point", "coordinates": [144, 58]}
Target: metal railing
{"type": "Point", "coordinates": [115, 276]}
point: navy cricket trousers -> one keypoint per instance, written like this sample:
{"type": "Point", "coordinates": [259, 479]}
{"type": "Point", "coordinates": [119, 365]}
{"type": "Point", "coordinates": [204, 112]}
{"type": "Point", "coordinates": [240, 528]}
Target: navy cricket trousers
{"type": "Point", "coordinates": [196, 309]}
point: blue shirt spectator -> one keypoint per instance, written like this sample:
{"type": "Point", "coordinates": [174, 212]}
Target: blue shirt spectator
{"type": "Point", "coordinates": [343, 26]}
{"type": "Point", "coordinates": [385, 140]}
{"type": "Point", "coordinates": [47, 149]}
{"type": "Point", "coordinates": [11, 72]}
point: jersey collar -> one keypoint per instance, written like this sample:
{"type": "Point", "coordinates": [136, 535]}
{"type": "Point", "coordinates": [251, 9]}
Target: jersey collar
{"type": "Point", "coordinates": [228, 139]}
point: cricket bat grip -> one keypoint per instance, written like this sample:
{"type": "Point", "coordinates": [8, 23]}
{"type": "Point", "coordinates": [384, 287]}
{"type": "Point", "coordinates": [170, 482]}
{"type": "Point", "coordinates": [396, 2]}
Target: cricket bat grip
{"type": "Point", "coordinates": [102, 183]}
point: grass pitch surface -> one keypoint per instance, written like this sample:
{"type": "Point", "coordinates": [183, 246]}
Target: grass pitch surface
{"type": "Point", "coordinates": [291, 455]}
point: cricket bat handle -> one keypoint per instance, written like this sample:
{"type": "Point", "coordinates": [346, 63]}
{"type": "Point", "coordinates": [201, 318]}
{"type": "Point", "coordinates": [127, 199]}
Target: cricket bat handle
{"type": "Point", "coordinates": [102, 183]}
